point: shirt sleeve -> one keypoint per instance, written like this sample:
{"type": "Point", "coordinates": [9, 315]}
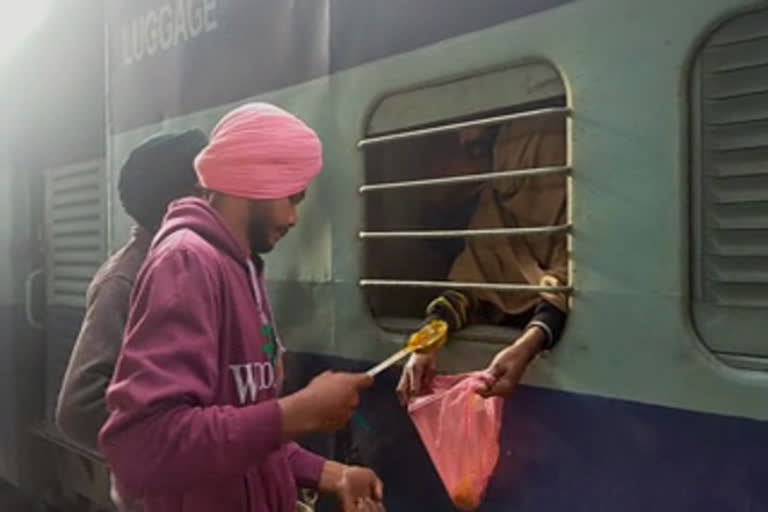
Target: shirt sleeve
{"type": "Point", "coordinates": [305, 465]}
{"type": "Point", "coordinates": [551, 320]}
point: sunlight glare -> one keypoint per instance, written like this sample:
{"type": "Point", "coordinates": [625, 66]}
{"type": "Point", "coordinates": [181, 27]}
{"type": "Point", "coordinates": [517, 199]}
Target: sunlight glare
{"type": "Point", "coordinates": [18, 20]}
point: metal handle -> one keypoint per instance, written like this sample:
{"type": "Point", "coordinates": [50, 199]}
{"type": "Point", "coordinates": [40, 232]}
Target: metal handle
{"type": "Point", "coordinates": [28, 285]}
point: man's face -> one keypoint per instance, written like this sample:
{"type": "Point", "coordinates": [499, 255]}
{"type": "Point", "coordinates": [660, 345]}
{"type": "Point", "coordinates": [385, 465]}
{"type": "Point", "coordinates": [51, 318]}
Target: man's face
{"type": "Point", "coordinates": [270, 220]}
{"type": "Point", "coordinates": [477, 141]}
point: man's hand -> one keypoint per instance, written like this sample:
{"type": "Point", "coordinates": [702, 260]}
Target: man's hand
{"type": "Point", "coordinates": [325, 405]}
{"type": "Point", "coordinates": [417, 373]}
{"type": "Point", "coordinates": [508, 366]}
{"type": "Point", "coordinates": [358, 489]}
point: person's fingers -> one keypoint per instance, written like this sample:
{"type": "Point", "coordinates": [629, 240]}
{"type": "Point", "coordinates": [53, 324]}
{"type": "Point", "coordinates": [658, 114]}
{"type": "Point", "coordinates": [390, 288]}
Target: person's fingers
{"type": "Point", "coordinates": [404, 386]}
{"type": "Point", "coordinates": [362, 381]}
{"type": "Point", "coordinates": [347, 502]}
{"type": "Point", "coordinates": [417, 375]}
{"type": "Point", "coordinates": [378, 489]}
{"type": "Point", "coordinates": [489, 382]}
{"type": "Point", "coordinates": [502, 387]}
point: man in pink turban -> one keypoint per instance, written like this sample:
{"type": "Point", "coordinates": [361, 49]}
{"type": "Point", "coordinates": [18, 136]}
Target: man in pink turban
{"type": "Point", "coordinates": [197, 421]}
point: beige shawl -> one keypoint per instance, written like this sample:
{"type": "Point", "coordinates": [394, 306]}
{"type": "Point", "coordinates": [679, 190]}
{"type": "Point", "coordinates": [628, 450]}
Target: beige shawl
{"type": "Point", "coordinates": [521, 202]}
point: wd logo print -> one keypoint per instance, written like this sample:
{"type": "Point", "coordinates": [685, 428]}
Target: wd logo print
{"type": "Point", "coordinates": [252, 378]}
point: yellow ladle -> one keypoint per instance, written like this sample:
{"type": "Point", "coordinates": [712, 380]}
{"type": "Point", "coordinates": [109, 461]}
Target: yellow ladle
{"type": "Point", "coordinates": [427, 339]}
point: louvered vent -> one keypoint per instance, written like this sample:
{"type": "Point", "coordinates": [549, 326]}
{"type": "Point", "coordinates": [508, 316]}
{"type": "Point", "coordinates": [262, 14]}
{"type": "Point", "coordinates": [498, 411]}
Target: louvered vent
{"type": "Point", "coordinates": [734, 163]}
{"type": "Point", "coordinates": [75, 222]}
{"type": "Point", "coordinates": [730, 178]}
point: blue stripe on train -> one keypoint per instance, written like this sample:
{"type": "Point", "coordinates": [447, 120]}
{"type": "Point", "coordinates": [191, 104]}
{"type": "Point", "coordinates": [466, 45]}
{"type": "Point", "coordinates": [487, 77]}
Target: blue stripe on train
{"type": "Point", "coordinates": [564, 451]}
{"type": "Point", "coordinates": [560, 451]}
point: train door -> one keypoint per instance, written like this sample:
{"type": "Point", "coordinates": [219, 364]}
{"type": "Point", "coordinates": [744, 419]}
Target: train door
{"type": "Point", "coordinates": [22, 316]}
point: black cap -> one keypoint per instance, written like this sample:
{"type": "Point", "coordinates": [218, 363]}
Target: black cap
{"type": "Point", "coordinates": [158, 171]}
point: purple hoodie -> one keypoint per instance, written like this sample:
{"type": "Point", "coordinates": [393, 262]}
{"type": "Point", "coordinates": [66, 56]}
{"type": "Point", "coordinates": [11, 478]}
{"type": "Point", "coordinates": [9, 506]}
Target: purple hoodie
{"type": "Point", "coordinates": [194, 422]}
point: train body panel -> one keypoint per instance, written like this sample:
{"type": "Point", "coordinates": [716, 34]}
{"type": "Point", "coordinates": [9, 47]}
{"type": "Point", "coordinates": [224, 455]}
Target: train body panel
{"type": "Point", "coordinates": [622, 156]}
{"type": "Point", "coordinates": [633, 410]}
{"type": "Point", "coordinates": [570, 451]}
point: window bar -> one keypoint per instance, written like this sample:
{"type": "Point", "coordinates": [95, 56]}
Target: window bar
{"type": "Point", "coordinates": [463, 285]}
{"type": "Point", "coordinates": [465, 233]}
{"type": "Point", "coordinates": [422, 132]}
{"type": "Point", "coordinates": [467, 178]}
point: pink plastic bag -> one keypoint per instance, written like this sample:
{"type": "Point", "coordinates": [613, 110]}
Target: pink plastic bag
{"type": "Point", "coordinates": [460, 430]}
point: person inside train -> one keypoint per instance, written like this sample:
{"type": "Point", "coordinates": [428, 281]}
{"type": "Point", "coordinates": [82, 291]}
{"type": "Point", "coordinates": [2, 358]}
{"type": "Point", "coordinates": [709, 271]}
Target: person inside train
{"type": "Point", "coordinates": [197, 419]}
{"type": "Point", "coordinates": [156, 172]}
{"type": "Point", "coordinates": [535, 260]}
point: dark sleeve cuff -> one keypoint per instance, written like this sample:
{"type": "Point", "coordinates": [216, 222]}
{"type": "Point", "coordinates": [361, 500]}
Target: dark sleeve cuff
{"type": "Point", "coordinates": [550, 320]}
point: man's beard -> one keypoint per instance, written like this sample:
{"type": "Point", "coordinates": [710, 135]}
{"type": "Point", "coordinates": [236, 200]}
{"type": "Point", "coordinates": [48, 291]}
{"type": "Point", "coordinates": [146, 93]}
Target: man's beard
{"type": "Point", "coordinates": [258, 237]}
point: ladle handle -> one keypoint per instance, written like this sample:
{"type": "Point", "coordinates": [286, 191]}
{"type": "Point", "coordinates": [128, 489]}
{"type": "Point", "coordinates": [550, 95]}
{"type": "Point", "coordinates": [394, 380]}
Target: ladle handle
{"type": "Point", "coordinates": [394, 358]}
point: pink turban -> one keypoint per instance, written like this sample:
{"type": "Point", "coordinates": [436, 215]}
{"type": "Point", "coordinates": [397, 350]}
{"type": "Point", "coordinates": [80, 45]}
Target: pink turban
{"type": "Point", "coordinates": [259, 151]}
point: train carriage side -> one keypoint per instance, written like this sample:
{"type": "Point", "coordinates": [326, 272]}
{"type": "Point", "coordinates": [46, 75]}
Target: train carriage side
{"type": "Point", "coordinates": [655, 397]}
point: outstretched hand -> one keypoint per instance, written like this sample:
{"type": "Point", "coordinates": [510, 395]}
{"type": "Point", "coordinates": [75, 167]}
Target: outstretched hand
{"type": "Point", "coordinates": [358, 489]}
{"type": "Point", "coordinates": [417, 373]}
{"type": "Point", "coordinates": [509, 365]}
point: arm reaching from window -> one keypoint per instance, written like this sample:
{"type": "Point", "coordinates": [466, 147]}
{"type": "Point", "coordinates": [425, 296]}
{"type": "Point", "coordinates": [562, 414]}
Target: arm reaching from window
{"type": "Point", "coordinates": [508, 366]}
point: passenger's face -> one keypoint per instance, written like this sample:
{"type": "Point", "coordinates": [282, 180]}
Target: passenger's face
{"type": "Point", "coordinates": [270, 220]}
{"type": "Point", "coordinates": [477, 141]}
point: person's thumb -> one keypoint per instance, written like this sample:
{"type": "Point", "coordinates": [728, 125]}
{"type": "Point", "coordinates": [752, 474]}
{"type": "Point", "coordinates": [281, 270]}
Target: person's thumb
{"type": "Point", "coordinates": [347, 502]}
{"type": "Point", "coordinates": [378, 489]}
{"type": "Point", "coordinates": [362, 381]}
{"type": "Point", "coordinates": [489, 379]}
{"type": "Point", "coordinates": [404, 386]}
{"type": "Point", "coordinates": [417, 377]}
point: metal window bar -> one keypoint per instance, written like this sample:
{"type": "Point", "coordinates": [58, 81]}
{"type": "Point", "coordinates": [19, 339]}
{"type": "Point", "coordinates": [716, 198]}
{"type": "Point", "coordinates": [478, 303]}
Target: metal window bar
{"type": "Point", "coordinates": [468, 178]}
{"type": "Point", "coordinates": [452, 180]}
{"type": "Point", "coordinates": [464, 285]}
{"type": "Point", "coordinates": [466, 233]}
{"type": "Point", "coordinates": [422, 132]}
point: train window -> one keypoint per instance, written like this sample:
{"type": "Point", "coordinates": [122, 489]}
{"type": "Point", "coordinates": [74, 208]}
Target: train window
{"type": "Point", "coordinates": [730, 188]}
{"type": "Point", "coordinates": [75, 230]}
{"type": "Point", "coordinates": [466, 189]}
